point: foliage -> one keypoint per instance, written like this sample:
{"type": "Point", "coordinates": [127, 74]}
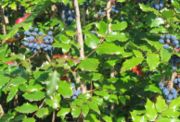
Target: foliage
{"type": "Point", "coordinates": [43, 78]}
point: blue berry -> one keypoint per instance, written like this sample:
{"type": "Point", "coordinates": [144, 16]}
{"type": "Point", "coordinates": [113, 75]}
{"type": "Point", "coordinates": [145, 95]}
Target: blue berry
{"type": "Point", "coordinates": [175, 42]}
{"type": "Point", "coordinates": [161, 41]}
{"type": "Point", "coordinates": [165, 91]}
{"type": "Point", "coordinates": [27, 33]}
{"type": "Point", "coordinates": [166, 46]}
{"type": "Point", "coordinates": [50, 33]}
{"type": "Point", "coordinates": [168, 36]}
{"type": "Point", "coordinates": [36, 29]}
{"type": "Point", "coordinates": [40, 33]}
{"type": "Point", "coordinates": [161, 85]}
{"type": "Point", "coordinates": [173, 37]}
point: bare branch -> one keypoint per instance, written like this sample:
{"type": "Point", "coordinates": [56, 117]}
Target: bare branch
{"type": "Point", "coordinates": [79, 29]}
{"type": "Point", "coordinates": [3, 20]}
{"type": "Point", "coordinates": [108, 14]}
{"type": "Point", "coordinates": [80, 39]}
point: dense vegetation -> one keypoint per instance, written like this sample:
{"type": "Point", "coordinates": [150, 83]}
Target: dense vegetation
{"type": "Point", "coordinates": [89, 60]}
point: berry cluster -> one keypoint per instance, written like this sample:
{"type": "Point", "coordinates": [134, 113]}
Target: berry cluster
{"type": "Point", "coordinates": [76, 92]}
{"type": "Point", "coordinates": [177, 82]}
{"type": "Point", "coordinates": [168, 41]}
{"type": "Point", "coordinates": [35, 40]}
{"type": "Point", "coordinates": [169, 92]}
{"type": "Point", "coordinates": [158, 5]}
{"type": "Point", "coordinates": [68, 15]}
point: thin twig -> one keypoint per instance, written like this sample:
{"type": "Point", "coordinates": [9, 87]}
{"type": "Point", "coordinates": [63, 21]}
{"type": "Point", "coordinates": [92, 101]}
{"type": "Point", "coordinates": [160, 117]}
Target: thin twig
{"type": "Point", "coordinates": [80, 40]}
{"type": "Point", "coordinates": [54, 116]}
{"type": "Point", "coordinates": [108, 14]}
{"type": "Point", "coordinates": [79, 29]}
{"type": "Point", "coordinates": [1, 111]}
{"type": "Point", "coordinates": [3, 20]}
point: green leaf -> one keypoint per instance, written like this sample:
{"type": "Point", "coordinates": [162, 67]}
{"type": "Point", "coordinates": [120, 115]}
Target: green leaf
{"type": "Point", "coordinates": [157, 22]}
{"type": "Point", "coordinates": [3, 80]}
{"type": "Point", "coordinates": [175, 104]}
{"type": "Point", "coordinates": [63, 112]}
{"type": "Point", "coordinates": [85, 109]}
{"type": "Point", "coordinates": [29, 120]}
{"type": "Point", "coordinates": [168, 14]}
{"type": "Point", "coordinates": [75, 111]}
{"type": "Point", "coordinates": [138, 116]}
{"type": "Point", "coordinates": [42, 112]}
{"type": "Point", "coordinates": [151, 112]}
{"type": "Point", "coordinates": [153, 88]}
{"type": "Point", "coordinates": [119, 26]}
{"type": "Point", "coordinates": [93, 106]}
{"type": "Point", "coordinates": [13, 91]}
{"type": "Point", "coordinates": [160, 104]}
{"type": "Point", "coordinates": [107, 119]}
{"type": "Point", "coordinates": [89, 64]}
{"type": "Point", "coordinates": [26, 108]}
{"type": "Point", "coordinates": [115, 36]}
{"type": "Point", "coordinates": [170, 113]}
{"type": "Point", "coordinates": [53, 82]}
{"type": "Point", "coordinates": [91, 40]}
{"type": "Point", "coordinates": [54, 102]}
{"type": "Point", "coordinates": [138, 53]}
{"type": "Point", "coordinates": [158, 29]}
{"type": "Point", "coordinates": [34, 96]}
{"type": "Point", "coordinates": [102, 27]}
{"type": "Point", "coordinates": [147, 8]}
{"type": "Point", "coordinates": [18, 81]}
{"type": "Point", "coordinates": [109, 48]}
{"type": "Point", "coordinates": [130, 63]}
{"type": "Point", "coordinates": [121, 1]}
{"type": "Point", "coordinates": [165, 55]}
{"type": "Point", "coordinates": [65, 89]}
{"type": "Point", "coordinates": [152, 60]}
{"type": "Point", "coordinates": [166, 119]}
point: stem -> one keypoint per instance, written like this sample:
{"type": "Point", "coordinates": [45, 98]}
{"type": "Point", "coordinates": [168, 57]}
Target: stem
{"type": "Point", "coordinates": [1, 111]}
{"type": "Point", "coordinates": [174, 74]}
{"type": "Point", "coordinates": [108, 14]}
{"type": "Point", "coordinates": [3, 20]}
{"type": "Point", "coordinates": [80, 39]}
{"type": "Point", "coordinates": [79, 29]}
{"type": "Point", "coordinates": [53, 116]}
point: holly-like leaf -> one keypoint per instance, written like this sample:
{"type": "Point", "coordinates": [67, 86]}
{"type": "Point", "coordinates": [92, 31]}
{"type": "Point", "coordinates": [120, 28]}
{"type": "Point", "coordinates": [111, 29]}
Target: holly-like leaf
{"type": "Point", "coordinates": [93, 106]}
{"type": "Point", "coordinates": [85, 109]}
{"type": "Point", "coordinates": [63, 112]}
{"type": "Point", "coordinates": [29, 120]}
{"type": "Point", "coordinates": [89, 64]}
{"type": "Point", "coordinates": [76, 111]}
{"type": "Point", "coordinates": [109, 48]}
{"type": "Point", "coordinates": [119, 26]}
{"type": "Point", "coordinates": [160, 104]}
{"type": "Point", "coordinates": [34, 96]}
{"type": "Point", "coordinates": [26, 108]}
{"type": "Point", "coordinates": [130, 63]}
{"type": "Point", "coordinates": [165, 55]}
{"type": "Point", "coordinates": [13, 91]}
{"type": "Point", "coordinates": [53, 82]}
{"type": "Point", "coordinates": [42, 112]}
{"type": "Point", "coordinates": [65, 89]}
{"type": "Point", "coordinates": [152, 60]}
{"type": "Point", "coordinates": [151, 112]}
